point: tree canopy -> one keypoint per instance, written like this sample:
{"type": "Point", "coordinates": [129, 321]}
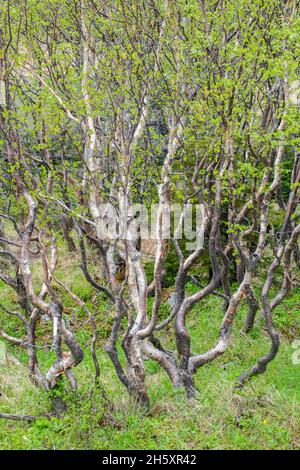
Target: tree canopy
{"type": "Point", "coordinates": [113, 104]}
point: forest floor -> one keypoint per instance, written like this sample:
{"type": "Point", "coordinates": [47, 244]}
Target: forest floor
{"type": "Point", "coordinates": [265, 415]}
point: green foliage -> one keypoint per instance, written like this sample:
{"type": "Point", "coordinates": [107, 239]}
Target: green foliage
{"type": "Point", "coordinates": [264, 416]}
{"type": "Point", "coordinates": [238, 58]}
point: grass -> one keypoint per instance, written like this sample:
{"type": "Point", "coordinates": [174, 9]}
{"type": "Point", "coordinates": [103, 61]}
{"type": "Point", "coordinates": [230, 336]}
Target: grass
{"type": "Point", "coordinates": [265, 415]}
